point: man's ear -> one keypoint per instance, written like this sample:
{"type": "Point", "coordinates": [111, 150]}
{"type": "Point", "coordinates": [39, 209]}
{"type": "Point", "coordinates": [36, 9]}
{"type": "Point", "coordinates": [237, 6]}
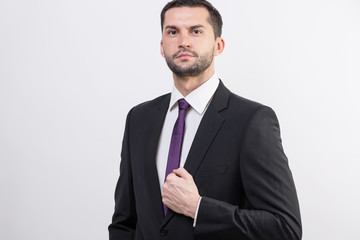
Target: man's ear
{"type": "Point", "coordinates": [219, 47]}
{"type": "Point", "coordinates": [161, 48]}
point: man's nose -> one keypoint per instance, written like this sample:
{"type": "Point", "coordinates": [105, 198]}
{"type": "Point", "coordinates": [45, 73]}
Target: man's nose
{"type": "Point", "coordinates": [184, 40]}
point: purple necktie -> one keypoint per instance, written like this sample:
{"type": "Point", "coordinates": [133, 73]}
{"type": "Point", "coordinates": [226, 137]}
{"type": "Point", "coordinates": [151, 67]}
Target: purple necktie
{"type": "Point", "coordinates": [176, 141]}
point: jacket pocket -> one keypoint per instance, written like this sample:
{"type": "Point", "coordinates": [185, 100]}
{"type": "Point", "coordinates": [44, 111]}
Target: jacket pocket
{"type": "Point", "coordinates": [208, 172]}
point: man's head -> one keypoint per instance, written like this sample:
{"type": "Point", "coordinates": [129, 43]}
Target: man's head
{"type": "Point", "coordinates": [189, 39]}
{"type": "Point", "coordinates": [214, 19]}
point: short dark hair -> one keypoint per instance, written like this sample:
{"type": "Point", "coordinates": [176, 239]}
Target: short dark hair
{"type": "Point", "coordinates": [215, 19]}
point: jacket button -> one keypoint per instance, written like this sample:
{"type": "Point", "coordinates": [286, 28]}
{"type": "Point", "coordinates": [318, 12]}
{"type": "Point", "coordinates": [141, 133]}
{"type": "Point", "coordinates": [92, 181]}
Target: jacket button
{"type": "Point", "coordinates": [163, 232]}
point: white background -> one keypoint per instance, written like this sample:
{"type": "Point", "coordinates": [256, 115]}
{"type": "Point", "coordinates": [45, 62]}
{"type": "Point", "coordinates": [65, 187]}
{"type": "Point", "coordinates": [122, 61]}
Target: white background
{"type": "Point", "coordinates": [70, 71]}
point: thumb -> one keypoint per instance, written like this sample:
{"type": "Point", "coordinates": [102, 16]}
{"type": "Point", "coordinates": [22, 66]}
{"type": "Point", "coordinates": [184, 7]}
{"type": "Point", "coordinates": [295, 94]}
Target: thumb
{"type": "Point", "coordinates": [182, 173]}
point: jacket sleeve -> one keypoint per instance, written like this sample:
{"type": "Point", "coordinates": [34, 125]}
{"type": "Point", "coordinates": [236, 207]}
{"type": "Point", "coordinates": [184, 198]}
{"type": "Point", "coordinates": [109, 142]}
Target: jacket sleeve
{"type": "Point", "coordinates": [124, 218]}
{"type": "Point", "coordinates": [273, 212]}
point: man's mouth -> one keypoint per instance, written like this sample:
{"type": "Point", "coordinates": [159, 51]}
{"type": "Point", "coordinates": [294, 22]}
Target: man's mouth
{"type": "Point", "coordinates": [184, 55]}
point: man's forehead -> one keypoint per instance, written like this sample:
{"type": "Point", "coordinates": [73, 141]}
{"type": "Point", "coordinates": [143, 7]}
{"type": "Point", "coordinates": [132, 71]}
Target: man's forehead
{"type": "Point", "coordinates": [186, 15]}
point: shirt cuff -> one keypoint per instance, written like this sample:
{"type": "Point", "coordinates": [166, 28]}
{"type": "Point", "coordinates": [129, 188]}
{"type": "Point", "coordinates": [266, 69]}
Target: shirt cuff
{"type": "Point", "coordinates": [196, 213]}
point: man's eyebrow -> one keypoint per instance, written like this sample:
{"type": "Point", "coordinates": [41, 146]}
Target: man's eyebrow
{"type": "Point", "coordinates": [197, 26]}
{"type": "Point", "coordinates": [171, 27]}
{"type": "Point", "coordinates": [192, 27]}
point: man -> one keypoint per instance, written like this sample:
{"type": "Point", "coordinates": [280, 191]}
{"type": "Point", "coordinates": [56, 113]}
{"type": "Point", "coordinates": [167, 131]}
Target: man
{"type": "Point", "coordinates": [202, 162]}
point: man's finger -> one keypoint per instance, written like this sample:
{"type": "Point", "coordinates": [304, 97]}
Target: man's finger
{"type": "Point", "coordinates": [171, 177]}
{"type": "Point", "coordinates": [181, 172]}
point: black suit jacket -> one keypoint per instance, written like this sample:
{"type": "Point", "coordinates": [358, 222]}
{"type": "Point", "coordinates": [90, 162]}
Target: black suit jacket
{"type": "Point", "coordinates": [237, 162]}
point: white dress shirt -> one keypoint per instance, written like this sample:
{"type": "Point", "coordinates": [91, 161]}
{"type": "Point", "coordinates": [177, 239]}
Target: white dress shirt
{"type": "Point", "coordinates": [199, 100]}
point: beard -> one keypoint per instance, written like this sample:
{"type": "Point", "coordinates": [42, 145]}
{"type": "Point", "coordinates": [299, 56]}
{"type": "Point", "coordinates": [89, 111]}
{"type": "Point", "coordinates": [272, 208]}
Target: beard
{"type": "Point", "coordinates": [201, 63]}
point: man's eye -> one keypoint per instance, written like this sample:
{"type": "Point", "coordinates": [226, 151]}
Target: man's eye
{"type": "Point", "coordinates": [172, 32]}
{"type": "Point", "coordinates": [196, 31]}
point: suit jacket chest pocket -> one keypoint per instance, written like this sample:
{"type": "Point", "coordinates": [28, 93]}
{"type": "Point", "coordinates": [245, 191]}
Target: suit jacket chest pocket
{"type": "Point", "coordinates": [211, 171]}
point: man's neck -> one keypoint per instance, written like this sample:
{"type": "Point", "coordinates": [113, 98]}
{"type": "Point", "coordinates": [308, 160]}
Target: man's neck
{"type": "Point", "coordinates": [185, 85]}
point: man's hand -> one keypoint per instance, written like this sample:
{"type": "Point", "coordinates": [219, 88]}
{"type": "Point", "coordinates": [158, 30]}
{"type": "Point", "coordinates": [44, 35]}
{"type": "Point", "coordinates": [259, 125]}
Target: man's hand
{"type": "Point", "coordinates": [180, 193]}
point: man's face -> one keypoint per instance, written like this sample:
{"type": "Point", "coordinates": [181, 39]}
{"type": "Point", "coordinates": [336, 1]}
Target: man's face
{"type": "Point", "coordinates": [188, 42]}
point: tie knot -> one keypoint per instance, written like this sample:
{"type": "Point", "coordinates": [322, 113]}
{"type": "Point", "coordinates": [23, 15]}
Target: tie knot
{"type": "Point", "coordinates": [183, 104]}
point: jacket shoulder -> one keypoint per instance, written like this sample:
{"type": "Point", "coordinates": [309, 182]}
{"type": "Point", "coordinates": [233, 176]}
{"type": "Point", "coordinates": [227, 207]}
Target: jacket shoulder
{"type": "Point", "coordinates": [245, 102]}
{"type": "Point", "coordinates": [148, 107]}
{"type": "Point", "coordinates": [246, 106]}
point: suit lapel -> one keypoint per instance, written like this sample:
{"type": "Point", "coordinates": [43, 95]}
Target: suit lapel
{"type": "Point", "coordinates": [207, 131]}
{"type": "Point", "coordinates": [154, 130]}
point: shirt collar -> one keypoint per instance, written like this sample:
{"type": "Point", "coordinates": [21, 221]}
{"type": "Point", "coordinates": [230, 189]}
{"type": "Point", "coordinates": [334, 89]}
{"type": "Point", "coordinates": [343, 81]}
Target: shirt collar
{"type": "Point", "coordinates": [199, 98]}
